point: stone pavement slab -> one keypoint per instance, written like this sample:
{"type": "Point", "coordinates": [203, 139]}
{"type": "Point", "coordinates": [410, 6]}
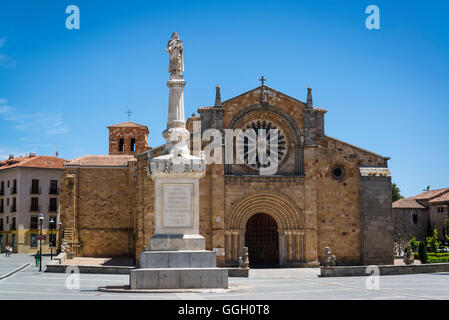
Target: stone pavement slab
{"type": "Point", "coordinates": [262, 284]}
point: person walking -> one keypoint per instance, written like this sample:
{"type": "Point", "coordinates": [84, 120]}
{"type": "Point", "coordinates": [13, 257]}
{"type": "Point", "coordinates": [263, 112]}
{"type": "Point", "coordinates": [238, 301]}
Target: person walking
{"type": "Point", "coordinates": [10, 251]}
{"type": "Point", "coordinates": [7, 250]}
{"type": "Point", "coordinates": [37, 258]}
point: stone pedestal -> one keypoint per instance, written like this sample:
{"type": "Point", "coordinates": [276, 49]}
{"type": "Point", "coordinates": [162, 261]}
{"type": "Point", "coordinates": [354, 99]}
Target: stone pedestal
{"type": "Point", "coordinates": [176, 207]}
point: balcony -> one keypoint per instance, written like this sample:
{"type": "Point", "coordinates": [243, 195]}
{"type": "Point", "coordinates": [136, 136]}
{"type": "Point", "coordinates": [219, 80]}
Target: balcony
{"type": "Point", "coordinates": [52, 209]}
{"type": "Point", "coordinates": [53, 190]}
{"type": "Point", "coordinates": [2, 210]}
{"type": "Point", "coordinates": [35, 190]}
{"type": "Point", "coordinates": [35, 208]}
{"type": "Point", "coordinates": [14, 190]}
{"type": "Point", "coordinates": [13, 209]}
{"type": "Point", "coordinates": [13, 226]}
{"type": "Point", "coordinates": [2, 192]}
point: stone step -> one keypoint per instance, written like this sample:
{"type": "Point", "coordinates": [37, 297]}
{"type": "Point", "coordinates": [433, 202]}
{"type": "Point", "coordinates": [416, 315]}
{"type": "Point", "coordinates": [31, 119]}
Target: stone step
{"type": "Point", "coordinates": [178, 278]}
{"type": "Point", "coordinates": [178, 259]}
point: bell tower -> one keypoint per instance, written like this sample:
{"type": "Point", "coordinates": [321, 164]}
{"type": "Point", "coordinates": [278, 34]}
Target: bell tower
{"type": "Point", "coordinates": [128, 138]}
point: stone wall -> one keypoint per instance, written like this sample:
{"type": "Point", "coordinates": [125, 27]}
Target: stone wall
{"type": "Point", "coordinates": [140, 134]}
{"type": "Point", "coordinates": [96, 202]}
{"type": "Point", "coordinates": [143, 211]}
{"type": "Point", "coordinates": [337, 198]}
{"type": "Point", "coordinates": [405, 226]}
{"type": "Point", "coordinates": [437, 220]}
{"type": "Point", "coordinates": [387, 270]}
{"type": "Point", "coordinates": [376, 220]}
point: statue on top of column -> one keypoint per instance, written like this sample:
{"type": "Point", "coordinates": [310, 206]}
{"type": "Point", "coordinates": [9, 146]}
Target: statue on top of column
{"type": "Point", "coordinates": [174, 49]}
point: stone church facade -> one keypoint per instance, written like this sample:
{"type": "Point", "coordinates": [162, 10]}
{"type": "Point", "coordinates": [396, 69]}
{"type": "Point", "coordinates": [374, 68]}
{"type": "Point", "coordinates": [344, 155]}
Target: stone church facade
{"type": "Point", "coordinates": [325, 192]}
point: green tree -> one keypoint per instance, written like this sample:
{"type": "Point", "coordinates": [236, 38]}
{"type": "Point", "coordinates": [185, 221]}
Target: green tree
{"type": "Point", "coordinates": [414, 244]}
{"type": "Point", "coordinates": [433, 242]}
{"type": "Point", "coordinates": [395, 192]}
{"type": "Point", "coordinates": [422, 252]}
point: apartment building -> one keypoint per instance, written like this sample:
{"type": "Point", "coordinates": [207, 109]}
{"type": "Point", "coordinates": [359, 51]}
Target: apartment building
{"type": "Point", "coordinates": [29, 186]}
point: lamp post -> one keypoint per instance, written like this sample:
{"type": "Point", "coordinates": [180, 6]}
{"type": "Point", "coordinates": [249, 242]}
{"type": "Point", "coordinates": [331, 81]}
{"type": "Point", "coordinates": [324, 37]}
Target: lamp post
{"type": "Point", "coordinates": [59, 235]}
{"type": "Point", "coordinates": [41, 219]}
{"type": "Point", "coordinates": [51, 239]}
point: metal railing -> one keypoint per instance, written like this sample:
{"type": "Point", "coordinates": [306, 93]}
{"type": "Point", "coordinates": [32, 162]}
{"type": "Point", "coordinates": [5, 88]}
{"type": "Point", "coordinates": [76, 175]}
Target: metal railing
{"type": "Point", "coordinates": [52, 209]}
{"type": "Point", "coordinates": [35, 190]}
{"type": "Point", "coordinates": [34, 208]}
{"type": "Point", "coordinates": [13, 209]}
{"type": "Point", "coordinates": [2, 192]}
{"type": "Point", "coordinates": [14, 190]}
{"type": "Point", "coordinates": [53, 190]}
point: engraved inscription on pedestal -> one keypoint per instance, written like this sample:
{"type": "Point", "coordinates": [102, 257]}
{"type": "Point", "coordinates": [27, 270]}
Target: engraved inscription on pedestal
{"type": "Point", "coordinates": [177, 206]}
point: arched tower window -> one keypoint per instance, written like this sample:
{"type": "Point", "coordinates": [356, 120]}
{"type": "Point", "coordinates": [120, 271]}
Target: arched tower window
{"type": "Point", "coordinates": [132, 146]}
{"type": "Point", "coordinates": [121, 145]}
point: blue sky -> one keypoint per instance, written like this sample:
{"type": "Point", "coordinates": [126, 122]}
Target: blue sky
{"type": "Point", "coordinates": [385, 90]}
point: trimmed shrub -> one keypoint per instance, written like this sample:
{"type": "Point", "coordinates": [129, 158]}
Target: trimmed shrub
{"type": "Point", "coordinates": [414, 244]}
{"type": "Point", "coordinates": [422, 252]}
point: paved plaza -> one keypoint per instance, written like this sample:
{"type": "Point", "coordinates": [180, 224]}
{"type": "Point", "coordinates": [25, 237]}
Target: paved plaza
{"type": "Point", "coordinates": [263, 284]}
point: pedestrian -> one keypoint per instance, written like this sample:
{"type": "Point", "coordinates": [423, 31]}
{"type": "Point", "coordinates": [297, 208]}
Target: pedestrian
{"type": "Point", "coordinates": [10, 251]}
{"type": "Point", "coordinates": [7, 250]}
{"type": "Point", "coordinates": [37, 258]}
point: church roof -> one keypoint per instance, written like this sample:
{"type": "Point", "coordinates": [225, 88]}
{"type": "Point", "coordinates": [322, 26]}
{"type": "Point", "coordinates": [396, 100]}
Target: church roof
{"type": "Point", "coordinates": [33, 161]}
{"type": "Point", "coordinates": [358, 148]}
{"type": "Point", "coordinates": [128, 124]}
{"type": "Point", "coordinates": [407, 203]}
{"type": "Point", "coordinates": [259, 88]}
{"type": "Point", "coordinates": [374, 171]}
{"type": "Point", "coordinates": [442, 198]}
{"type": "Point", "coordinates": [100, 161]}
{"type": "Point", "coordinates": [427, 195]}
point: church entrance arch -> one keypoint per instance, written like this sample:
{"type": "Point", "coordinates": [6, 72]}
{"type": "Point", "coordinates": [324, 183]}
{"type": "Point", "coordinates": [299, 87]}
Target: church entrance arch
{"type": "Point", "coordinates": [262, 218]}
{"type": "Point", "coordinates": [262, 240]}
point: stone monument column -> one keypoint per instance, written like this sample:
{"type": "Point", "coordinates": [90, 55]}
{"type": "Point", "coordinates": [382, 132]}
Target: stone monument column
{"type": "Point", "coordinates": [176, 173]}
{"type": "Point", "coordinates": [177, 258]}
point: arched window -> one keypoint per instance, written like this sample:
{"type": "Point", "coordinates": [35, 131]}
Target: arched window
{"type": "Point", "coordinates": [132, 146]}
{"type": "Point", "coordinates": [121, 145]}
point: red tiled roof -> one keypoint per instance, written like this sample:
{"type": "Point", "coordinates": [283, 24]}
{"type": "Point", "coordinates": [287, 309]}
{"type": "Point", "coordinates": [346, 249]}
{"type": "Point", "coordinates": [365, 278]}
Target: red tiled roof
{"type": "Point", "coordinates": [407, 203]}
{"type": "Point", "coordinates": [128, 124]}
{"type": "Point", "coordinates": [442, 198]}
{"type": "Point", "coordinates": [48, 162]}
{"type": "Point", "coordinates": [100, 161]}
{"type": "Point", "coordinates": [426, 195]}
{"type": "Point", "coordinates": [205, 108]}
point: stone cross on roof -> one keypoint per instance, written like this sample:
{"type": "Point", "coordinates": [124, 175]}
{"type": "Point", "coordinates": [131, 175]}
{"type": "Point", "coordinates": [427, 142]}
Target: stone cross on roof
{"type": "Point", "coordinates": [262, 80]}
{"type": "Point", "coordinates": [129, 114]}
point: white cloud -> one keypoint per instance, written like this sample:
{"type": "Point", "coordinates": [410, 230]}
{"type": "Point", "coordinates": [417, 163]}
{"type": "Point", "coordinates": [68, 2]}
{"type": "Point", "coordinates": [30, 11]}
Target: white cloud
{"type": "Point", "coordinates": [6, 60]}
{"type": "Point", "coordinates": [5, 109]}
{"type": "Point", "coordinates": [48, 124]}
{"type": "Point", "coordinates": [37, 128]}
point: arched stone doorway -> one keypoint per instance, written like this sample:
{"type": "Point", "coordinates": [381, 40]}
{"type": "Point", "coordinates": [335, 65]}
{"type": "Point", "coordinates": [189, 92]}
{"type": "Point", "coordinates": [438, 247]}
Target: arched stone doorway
{"type": "Point", "coordinates": [262, 240]}
{"type": "Point", "coordinates": [289, 221]}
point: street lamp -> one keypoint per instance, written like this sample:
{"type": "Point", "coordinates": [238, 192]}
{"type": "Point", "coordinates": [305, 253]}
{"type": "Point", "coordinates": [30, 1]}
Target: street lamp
{"type": "Point", "coordinates": [41, 219]}
{"type": "Point", "coordinates": [59, 235]}
{"type": "Point", "coordinates": [51, 239]}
